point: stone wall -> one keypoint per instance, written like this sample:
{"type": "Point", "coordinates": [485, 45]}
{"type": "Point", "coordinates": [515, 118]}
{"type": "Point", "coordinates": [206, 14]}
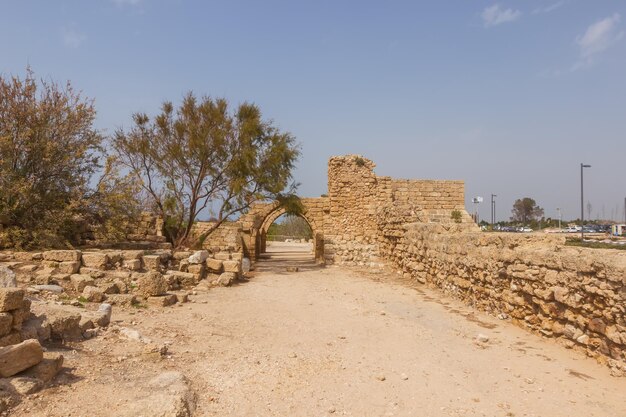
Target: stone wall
{"type": "Point", "coordinates": [226, 238]}
{"type": "Point", "coordinates": [576, 295]}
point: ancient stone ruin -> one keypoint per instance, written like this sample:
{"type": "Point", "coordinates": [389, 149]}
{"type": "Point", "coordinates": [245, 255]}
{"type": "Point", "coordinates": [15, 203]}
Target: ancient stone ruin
{"type": "Point", "coordinates": [418, 228]}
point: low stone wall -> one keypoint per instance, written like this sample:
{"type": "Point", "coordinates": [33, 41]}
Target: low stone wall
{"type": "Point", "coordinates": [226, 238]}
{"type": "Point", "coordinates": [576, 295]}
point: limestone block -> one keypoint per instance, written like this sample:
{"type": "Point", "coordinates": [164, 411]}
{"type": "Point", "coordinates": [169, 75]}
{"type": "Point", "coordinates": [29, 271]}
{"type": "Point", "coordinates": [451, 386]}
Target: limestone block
{"type": "Point", "coordinates": [11, 299]}
{"type": "Point", "coordinates": [7, 277]}
{"type": "Point", "coordinates": [6, 323]}
{"type": "Point", "coordinates": [62, 255]}
{"type": "Point", "coordinates": [16, 358]}
{"type": "Point", "coordinates": [47, 369]}
{"type": "Point", "coordinates": [151, 284]}
{"type": "Point", "coordinates": [198, 257]}
{"type": "Point", "coordinates": [163, 300]}
{"type": "Point", "coordinates": [97, 260]}
{"type": "Point", "coordinates": [12, 338]}
{"type": "Point", "coordinates": [227, 278]}
{"type": "Point", "coordinates": [215, 266]}
{"type": "Point", "coordinates": [152, 262]}
{"type": "Point", "coordinates": [232, 266]}
{"type": "Point", "coordinates": [93, 294]}
{"type": "Point", "coordinates": [133, 264]}
{"type": "Point", "coordinates": [79, 282]}
{"type": "Point", "coordinates": [68, 267]}
{"type": "Point", "coordinates": [222, 256]}
{"type": "Point", "coordinates": [63, 320]}
{"type": "Point", "coordinates": [125, 300]}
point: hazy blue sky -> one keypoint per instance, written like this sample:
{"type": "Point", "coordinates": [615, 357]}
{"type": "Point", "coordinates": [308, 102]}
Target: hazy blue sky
{"type": "Point", "coordinates": [509, 96]}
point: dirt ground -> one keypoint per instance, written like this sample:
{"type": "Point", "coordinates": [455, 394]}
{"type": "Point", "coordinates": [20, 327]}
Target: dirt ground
{"type": "Point", "coordinates": [326, 341]}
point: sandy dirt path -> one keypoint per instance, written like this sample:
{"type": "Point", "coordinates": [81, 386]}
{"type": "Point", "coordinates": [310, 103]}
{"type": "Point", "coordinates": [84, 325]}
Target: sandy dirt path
{"type": "Point", "coordinates": [332, 341]}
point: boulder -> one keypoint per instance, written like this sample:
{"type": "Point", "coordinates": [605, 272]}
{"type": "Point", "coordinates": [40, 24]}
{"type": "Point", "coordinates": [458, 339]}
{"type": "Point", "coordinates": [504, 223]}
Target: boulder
{"type": "Point", "coordinates": [16, 358]}
{"type": "Point", "coordinates": [97, 260]}
{"type": "Point", "coordinates": [232, 266]}
{"type": "Point", "coordinates": [215, 266]}
{"type": "Point", "coordinates": [198, 257]}
{"type": "Point", "coordinates": [151, 284]}
{"type": "Point", "coordinates": [69, 267]}
{"type": "Point", "coordinates": [11, 299]}
{"type": "Point", "coordinates": [79, 282]}
{"type": "Point", "coordinates": [7, 277]}
{"type": "Point", "coordinates": [47, 369]}
{"type": "Point", "coordinates": [227, 278]}
{"type": "Point", "coordinates": [64, 321]}
{"type": "Point", "coordinates": [62, 255]}
{"type": "Point", "coordinates": [93, 294]}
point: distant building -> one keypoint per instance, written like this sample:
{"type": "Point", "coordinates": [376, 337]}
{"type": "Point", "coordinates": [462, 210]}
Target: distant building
{"type": "Point", "coordinates": [618, 229]}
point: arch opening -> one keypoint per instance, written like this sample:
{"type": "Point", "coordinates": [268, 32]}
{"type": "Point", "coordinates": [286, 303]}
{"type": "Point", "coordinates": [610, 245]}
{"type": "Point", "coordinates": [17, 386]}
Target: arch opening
{"type": "Point", "coordinates": [279, 226]}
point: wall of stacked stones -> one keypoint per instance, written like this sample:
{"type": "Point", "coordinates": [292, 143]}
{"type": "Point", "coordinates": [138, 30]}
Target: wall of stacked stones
{"type": "Point", "coordinates": [226, 238]}
{"type": "Point", "coordinates": [356, 196]}
{"type": "Point", "coordinates": [576, 295]}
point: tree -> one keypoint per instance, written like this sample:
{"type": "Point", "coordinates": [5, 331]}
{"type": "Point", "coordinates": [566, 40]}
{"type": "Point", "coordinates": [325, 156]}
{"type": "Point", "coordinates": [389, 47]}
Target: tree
{"type": "Point", "coordinates": [49, 153]}
{"type": "Point", "coordinates": [203, 157]}
{"type": "Point", "coordinates": [526, 210]}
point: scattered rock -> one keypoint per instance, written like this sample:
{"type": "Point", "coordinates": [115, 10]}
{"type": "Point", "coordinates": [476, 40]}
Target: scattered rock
{"type": "Point", "coordinates": [57, 289]}
{"type": "Point", "coordinates": [18, 357]}
{"type": "Point", "coordinates": [198, 257]}
{"type": "Point", "coordinates": [227, 278]}
{"type": "Point", "coordinates": [7, 277]}
{"type": "Point", "coordinates": [93, 294]}
{"type": "Point", "coordinates": [11, 298]}
{"type": "Point", "coordinates": [482, 338]}
{"type": "Point", "coordinates": [151, 284]}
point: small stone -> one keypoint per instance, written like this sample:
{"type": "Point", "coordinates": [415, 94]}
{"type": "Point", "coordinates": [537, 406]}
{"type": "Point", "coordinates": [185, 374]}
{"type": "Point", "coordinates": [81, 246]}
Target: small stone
{"type": "Point", "coordinates": [404, 377]}
{"type": "Point", "coordinates": [482, 338]}
{"type": "Point", "coordinates": [381, 377]}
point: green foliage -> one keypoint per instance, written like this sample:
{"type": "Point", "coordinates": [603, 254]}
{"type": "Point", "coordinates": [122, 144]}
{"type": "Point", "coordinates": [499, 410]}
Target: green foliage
{"type": "Point", "coordinates": [292, 226]}
{"type": "Point", "coordinates": [456, 215]}
{"type": "Point", "coordinates": [203, 156]}
{"type": "Point", "coordinates": [49, 153]}
{"type": "Point", "coordinates": [526, 210]}
{"type": "Point", "coordinates": [360, 162]}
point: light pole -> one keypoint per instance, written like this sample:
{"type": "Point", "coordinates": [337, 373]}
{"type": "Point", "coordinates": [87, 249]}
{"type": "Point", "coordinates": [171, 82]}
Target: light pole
{"type": "Point", "coordinates": [582, 205]}
{"type": "Point", "coordinates": [493, 210]}
{"type": "Point", "coordinates": [559, 211]}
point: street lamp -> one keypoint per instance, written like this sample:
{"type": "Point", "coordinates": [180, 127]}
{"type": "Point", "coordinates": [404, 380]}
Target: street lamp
{"type": "Point", "coordinates": [582, 206]}
{"type": "Point", "coordinates": [559, 211]}
{"type": "Point", "coordinates": [493, 210]}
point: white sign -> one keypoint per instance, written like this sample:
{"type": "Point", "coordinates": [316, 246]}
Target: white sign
{"type": "Point", "coordinates": [477, 200]}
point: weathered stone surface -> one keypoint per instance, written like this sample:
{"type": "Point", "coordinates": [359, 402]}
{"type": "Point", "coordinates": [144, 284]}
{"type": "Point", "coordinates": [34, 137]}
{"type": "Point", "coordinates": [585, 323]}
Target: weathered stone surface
{"type": "Point", "coordinates": [11, 299]}
{"type": "Point", "coordinates": [6, 323]}
{"type": "Point", "coordinates": [171, 398]}
{"type": "Point", "coordinates": [125, 300]}
{"type": "Point", "coordinates": [47, 369]}
{"type": "Point", "coordinates": [151, 284]}
{"type": "Point", "coordinates": [16, 358]}
{"type": "Point", "coordinates": [162, 300]}
{"type": "Point", "coordinates": [198, 257]}
{"type": "Point", "coordinates": [93, 294]}
{"type": "Point", "coordinates": [97, 260]}
{"type": "Point", "coordinates": [152, 262]}
{"type": "Point", "coordinates": [227, 278]}
{"type": "Point", "coordinates": [7, 277]}
{"type": "Point", "coordinates": [185, 279]}
{"type": "Point", "coordinates": [24, 385]}
{"type": "Point", "coordinates": [133, 264]}
{"type": "Point", "coordinates": [62, 255]}
{"type": "Point", "coordinates": [79, 282]}
{"type": "Point", "coordinates": [232, 266]}
{"type": "Point", "coordinates": [64, 321]}
{"type": "Point", "coordinates": [36, 327]}
{"type": "Point", "coordinates": [13, 338]}
{"type": "Point", "coordinates": [69, 267]}
{"type": "Point", "coordinates": [222, 256]}
{"type": "Point", "coordinates": [215, 266]}
{"type": "Point", "coordinates": [49, 288]}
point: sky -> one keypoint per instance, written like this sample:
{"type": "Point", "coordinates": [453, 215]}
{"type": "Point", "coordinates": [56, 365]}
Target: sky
{"type": "Point", "coordinates": [509, 96]}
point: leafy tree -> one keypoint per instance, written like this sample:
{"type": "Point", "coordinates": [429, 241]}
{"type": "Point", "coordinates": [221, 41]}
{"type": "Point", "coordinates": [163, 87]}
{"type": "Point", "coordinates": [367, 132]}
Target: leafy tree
{"type": "Point", "coordinates": [49, 153]}
{"type": "Point", "coordinates": [526, 210]}
{"type": "Point", "coordinates": [291, 225]}
{"type": "Point", "coordinates": [203, 157]}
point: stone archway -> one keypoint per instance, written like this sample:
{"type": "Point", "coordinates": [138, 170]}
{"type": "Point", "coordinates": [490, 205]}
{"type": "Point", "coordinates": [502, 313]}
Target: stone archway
{"type": "Point", "coordinates": [262, 215]}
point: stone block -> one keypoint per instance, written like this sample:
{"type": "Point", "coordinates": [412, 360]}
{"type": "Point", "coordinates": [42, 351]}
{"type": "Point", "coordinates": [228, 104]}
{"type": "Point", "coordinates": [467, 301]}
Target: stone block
{"type": "Point", "coordinates": [62, 255]}
{"type": "Point", "coordinates": [47, 369]}
{"type": "Point", "coordinates": [227, 278]}
{"type": "Point", "coordinates": [133, 264]}
{"type": "Point", "coordinates": [152, 262]}
{"type": "Point", "coordinates": [7, 277]}
{"type": "Point", "coordinates": [97, 260]}
{"type": "Point", "coordinates": [232, 266]}
{"type": "Point", "coordinates": [124, 300]}
{"type": "Point", "coordinates": [222, 256]}
{"type": "Point", "coordinates": [11, 299]}
{"type": "Point", "coordinates": [151, 284]}
{"type": "Point", "coordinates": [6, 323]}
{"type": "Point", "coordinates": [11, 339]}
{"type": "Point", "coordinates": [93, 294]}
{"type": "Point", "coordinates": [68, 267]}
{"type": "Point", "coordinates": [79, 282]}
{"type": "Point", "coordinates": [214, 266]}
{"type": "Point", "coordinates": [198, 257]}
{"type": "Point", "coordinates": [163, 300]}
{"type": "Point", "coordinates": [19, 357]}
